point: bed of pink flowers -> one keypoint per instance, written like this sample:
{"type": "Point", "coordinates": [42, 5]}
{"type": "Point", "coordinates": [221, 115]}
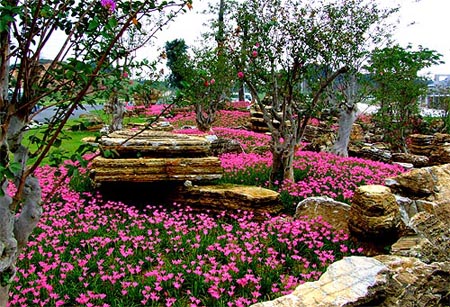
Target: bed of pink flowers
{"type": "Point", "coordinates": [90, 252]}
{"type": "Point", "coordinates": [316, 174]}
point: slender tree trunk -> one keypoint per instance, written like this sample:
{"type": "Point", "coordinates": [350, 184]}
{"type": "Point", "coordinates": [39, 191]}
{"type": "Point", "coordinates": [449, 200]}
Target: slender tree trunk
{"type": "Point", "coordinates": [205, 118]}
{"type": "Point", "coordinates": [118, 113]}
{"type": "Point", "coordinates": [347, 118]}
{"type": "Point", "coordinates": [282, 160]}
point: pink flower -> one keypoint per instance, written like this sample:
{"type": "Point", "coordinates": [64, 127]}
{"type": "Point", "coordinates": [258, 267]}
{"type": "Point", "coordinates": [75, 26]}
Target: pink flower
{"type": "Point", "coordinates": [212, 81]}
{"type": "Point", "coordinates": [254, 53]}
{"type": "Point", "coordinates": [240, 75]}
{"type": "Point", "coordinates": [110, 5]}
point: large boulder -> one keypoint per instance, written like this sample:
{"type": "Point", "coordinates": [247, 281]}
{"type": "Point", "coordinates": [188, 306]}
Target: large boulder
{"type": "Point", "coordinates": [352, 281]}
{"type": "Point", "coordinates": [383, 281]}
{"type": "Point", "coordinates": [333, 212]}
{"type": "Point", "coordinates": [228, 197]}
{"type": "Point", "coordinates": [428, 187]}
{"type": "Point", "coordinates": [374, 214]}
{"type": "Point", "coordinates": [156, 169]}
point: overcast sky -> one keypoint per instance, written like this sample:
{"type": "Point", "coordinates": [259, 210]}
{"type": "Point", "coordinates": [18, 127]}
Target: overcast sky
{"type": "Point", "coordinates": [430, 28]}
{"type": "Point", "coordinates": [422, 22]}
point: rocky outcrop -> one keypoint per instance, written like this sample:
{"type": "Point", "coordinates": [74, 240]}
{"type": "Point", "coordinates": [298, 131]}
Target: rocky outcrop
{"type": "Point", "coordinates": [430, 241]}
{"type": "Point", "coordinates": [229, 197]}
{"type": "Point", "coordinates": [333, 212]}
{"type": "Point", "coordinates": [436, 147]}
{"type": "Point", "coordinates": [156, 169]}
{"type": "Point", "coordinates": [428, 189]}
{"type": "Point", "coordinates": [413, 283]}
{"type": "Point", "coordinates": [160, 144]}
{"type": "Point", "coordinates": [374, 213]}
{"type": "Point", "coordinates": [383, 281]}
{"type": "Point", "coordinates": [154, 156]}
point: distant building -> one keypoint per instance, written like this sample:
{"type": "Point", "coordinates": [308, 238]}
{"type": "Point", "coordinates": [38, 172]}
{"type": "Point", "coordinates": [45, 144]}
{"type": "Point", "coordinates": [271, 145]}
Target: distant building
{"type": "Point", "coordinates": [438, 95]}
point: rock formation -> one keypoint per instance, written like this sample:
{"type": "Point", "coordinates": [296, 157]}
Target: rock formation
{"type": "Point", "coordinates": [151, 156]}
{"type": "Point", "coordinates": [383, 281]}
{"type": "Point", "coordinates": [221, 197]}
{"type": "Point", "coordinates": [374, 213]}
{"type": "Point", "coordinates": [333, 212]}
{"type": "Point", "coordinates": [177, 167]}
{"type": "Point", "coordinates": [415, 272]}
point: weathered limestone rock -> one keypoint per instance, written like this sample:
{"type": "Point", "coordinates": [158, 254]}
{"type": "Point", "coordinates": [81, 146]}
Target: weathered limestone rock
{"type": "Point", "coordinates": [440, 153]}
{"type": "Point", "coordinates": [160, 125]}
{"type": "Point", "coordinates": [436, 147]}
{"type": "Point", "coordinates": [224, 145]}
{"type": "Point", "coordinates": [352, 281]}
{"type": "Point", "coordinates": [357, 134]}
{"type": "Point", "coordinates": [420, 144]}
{"type": "Point", "coordinates": [429, 228]}
{"type": "Point", "coordinates": [229, 197]}
{"type": "Point", "coordinates": [371, 152]}
{"type": "Point", "coordinates": [382, 281]}
{"type": "Point", "coordinates": [416, 160]}
{"type": "Point", "coordinates": [416, 246]}
{"type": "Point", "coordinates": [419, 182]}
{"type": "Point", "coordinates": [374, 213]}
{"type": "Point", "coordinates": [412, 283]}
{"type": "Point", "coordinates": [129, 143]}
{"type": "Point", "coordinates": [156, 169]}
{"type": "Point", "coordinates": [428, 186]}
{"type": "Point", "coordinates": [333, 212]}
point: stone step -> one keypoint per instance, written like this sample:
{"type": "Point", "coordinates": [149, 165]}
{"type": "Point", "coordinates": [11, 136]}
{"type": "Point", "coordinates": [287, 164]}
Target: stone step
{"type": "Point", "coordinates": [229, 197]}
{"type": "Point", "coordinates": [156, 169]}
{"type": "Point", "coordinates": [130, 143]}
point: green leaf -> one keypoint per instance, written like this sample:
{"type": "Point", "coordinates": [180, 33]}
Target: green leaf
{"type": "Point", "coordinates": [93, 24]}
{"type": "Point", "coordinates": [57, 143]}
{"type": "Point", "coordinates": [112, 23]}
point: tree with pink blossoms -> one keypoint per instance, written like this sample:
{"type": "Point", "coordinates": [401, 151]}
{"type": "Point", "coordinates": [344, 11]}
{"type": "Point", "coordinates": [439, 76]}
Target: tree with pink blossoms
{"type": "Point", "coordinates": [294, 51]}
{"type": "Point", "coordinates": [69, 80]}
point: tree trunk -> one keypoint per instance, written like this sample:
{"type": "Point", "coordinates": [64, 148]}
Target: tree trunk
{"type": "Point", "coordinates": [347, 118]}
{"type": "Point", "coordinates": [204, 118]}
{"type": "Point", "coordinates": [15, 230]}
{"type": "Point", "coordinates": [118, 113]}
{"type": "Point", "coordinates": [282, 161]}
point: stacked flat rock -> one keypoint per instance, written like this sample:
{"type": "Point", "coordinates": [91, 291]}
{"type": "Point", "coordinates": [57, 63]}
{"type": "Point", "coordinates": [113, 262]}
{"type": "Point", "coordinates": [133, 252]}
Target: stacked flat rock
{"type": "Point", "coordinates": [221, 197]}
{"type": "Point", "coordinates": [421, 144]}
{"type": "Point", "coordinates": [152, 156]}
{"type": "Point", "coordinates": [257, 122]}
{"type": "Point", "coordinates": [441, 149]}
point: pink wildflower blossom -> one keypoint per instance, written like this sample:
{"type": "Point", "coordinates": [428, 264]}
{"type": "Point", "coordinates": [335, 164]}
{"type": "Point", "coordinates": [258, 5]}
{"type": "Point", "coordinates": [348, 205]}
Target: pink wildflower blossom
{"type": "Point", "coordinates": [110, 5]}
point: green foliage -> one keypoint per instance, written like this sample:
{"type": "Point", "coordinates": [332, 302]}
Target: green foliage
{"type": "Point", "coordinates": [397, 87]}
{"type": "Point", "coordinates": [292, 51]}
{"type": "Point", "coordinates": [177, 61]}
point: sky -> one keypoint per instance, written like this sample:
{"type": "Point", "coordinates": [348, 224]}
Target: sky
{"type": "Point", "coordinates": [425, 23]}
{"type": "Point", "coordinates": [421, 22]}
